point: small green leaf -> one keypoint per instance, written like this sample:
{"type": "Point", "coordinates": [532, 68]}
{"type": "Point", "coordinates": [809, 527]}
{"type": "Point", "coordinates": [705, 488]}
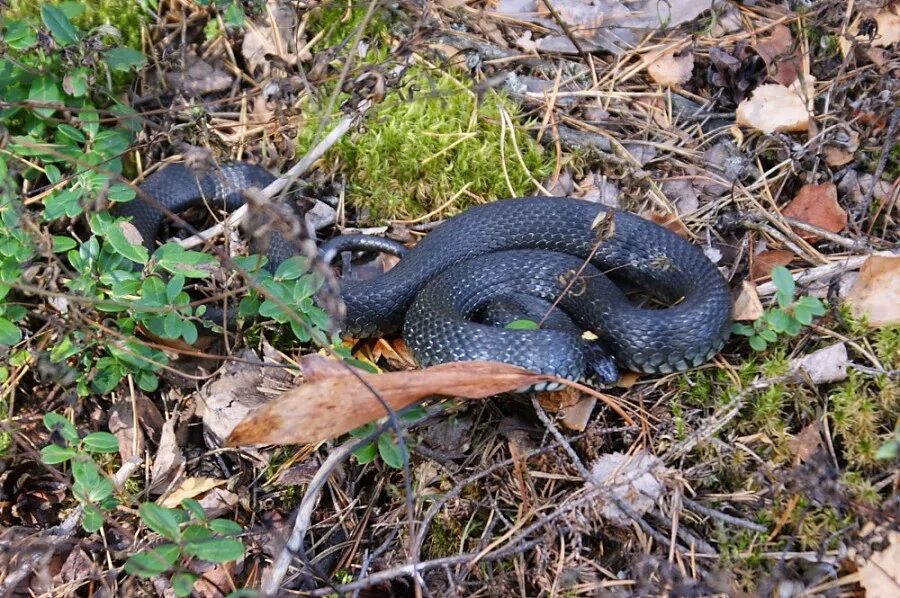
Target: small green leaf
{"type": "Point", "coordinates": [194, 507]}
{"type": "Point", "coordinates": [123, 59]}
{"type": "Point", "coordinates": [160, 520]}
{"type": "Point", "coordinates": [174, 286]}
{"type": "Point", "coordinates": [62, 243]}
{"type": "Point", "coordinates": [758, 343]}
{"type": "Point", "coordinates": [365, 453]}
{"type": "Point", "coordinates": [183, 583]}
{"type": "Point", "coordinates": [44, 90]}
{"type": "Point", "coordinates": [125, 248]}
{"type": "Point", "coordinates": [888, 451]}
{"type": "Point", "coordinates": [91, 518]}
{"type": "Point", "coordinates": [101, 490]}
{"type": "Point", "coordinates": [154, 562]}
{"type": "Point", "coordinates": [784, 282]}
{"type": "Point", "coordinates": [59, 25]}
{"type": "Point", "coordinates": [75, 82]}
{"type": "Point", "coordinates": [792, 328]}
{"type": "Point", "coordinates": [9, 332]}
{"type": "Point", "coordinates": [53, 454]}
{"type": "Point", "coordinates": [779, 320]}
{"type": "Point", "coordinates": [216, 550]}
{"type": "Point", "coordinates": [802, 314]}
{"type": "Point", "coordinates": [189, 332]}
{"type": "Point", "coordinates": [522, 325]}
{"type": "Point", "coordinates": [172, 325]}
{"type": "Point", "coordinates": [292, 268]}
{"type": "Point", "coordinates": [100, 442]}
{"type": "Point", "coordinates": [768, 335]}
{"type": "Point", "coordinates": [226, 527]}
{"type": "Point", "coordinates": [54, 422]}
{"type": "Point", "coordinates": [390, 451]}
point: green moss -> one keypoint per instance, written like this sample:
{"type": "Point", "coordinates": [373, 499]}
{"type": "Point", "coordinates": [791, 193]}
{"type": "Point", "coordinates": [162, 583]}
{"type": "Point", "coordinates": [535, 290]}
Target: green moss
{"type": "Point", "coordinates": [338, 20]}
{"type": "Point", "coordinates": [127, 16]}
{"type": "Point", "coordinates": [863, 412]}
{"type": "Point", "coordinates": [417, 152]}
{"type": "Point", "coordinates": [887, 346]}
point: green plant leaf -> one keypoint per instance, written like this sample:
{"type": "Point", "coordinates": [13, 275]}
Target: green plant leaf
{"type": "Point", "coordinates": [784, 282]}
{"type": "Point", "coordinates": [390, 451]}
{"type": "Point", "coordinates": [522, 325]}
{"type": "Point", "coordinates": [365, 453]}
{"type": "Point", "coordinates": [123, 59]}
{"type": "Point", "coordinates": [75, 82]}
{"type": "Point", "coordinates": [62, 243]}
{"type": "Point", "coordinates": [189, 332]}
{"type": "Point", "coordinates": [124, 247]}
{"type": "Point", "coordinates": [226, 527]}
{"type": "Point", "coordinates": [154, 562]}
{"type": "Point", "coordinates": [172, 325]}
{"type": "Point", "coordinates": [193, 506]}
{"type": "Point", "coordinates": [183, 583]}
{"type": "Point", "coordinates": [91, 518]}
{"type": "Point", "coordinates": [102, 489]}
{"type": "Point", "coordinates": [9, 332]}
{"type": "Point", "coordinates": [44, 90]}
{"type": "Point", "coordinates": [292, 268]}
{"type": "Point", "coordinates": [59, 25]}
{"type": "Point", "coordinates": [216, 550]}
{"type": "Point", "coordinates": [53, 454]}
{"type": "Point", "coordinates": [802, 314]}
{"type": "Point", "coordinates": [54, 422]}
{"type": "Point", "coordinates": [768, 335]}
{"type": "Point", "coordinates": [779, 320]}
{"type": "Point", "coordinates": [100, 442]}
{"type": "Point", "coordinates": [758, 343]}
{"type": "Point", "coordinates": [161, 520]}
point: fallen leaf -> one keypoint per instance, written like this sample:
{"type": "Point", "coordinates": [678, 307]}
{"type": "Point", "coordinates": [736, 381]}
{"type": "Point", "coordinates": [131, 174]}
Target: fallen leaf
{"type": "Point", "coordinates": [332, 406]}
{"type": "Point", "coordinates": [824, 365]}
{"type": "Point", "coordinates": [633, 479]}
{"type": "Point", "coordinates": [880, 574]}
{"type": "Point", "coordinates": [887, 22]}
{"type": "Point", "coordinates": [199, 77]}
{"type": "Point", "coordinates": [747, 307]}
{"type": "Point", "coordinates": [121, 425]}
{"type": "Point", "coordinates": [218, 502]}
{"type": "Point", "coordinates": [763, 262]}
{"type": "Point", "coordinates": [780, 58]}
{"type": "Point", "coordinates": [806, 442]}
{"type": "Point", "coordinates": [169, 460]}
{"type": "Point", "coordinates": [817, 205]}
{"type": "Point", "coordinates": [682, 193]}
{"type": "Point", "coordinates": [262, 40]}
{"type": "Point", "coordinates": [190, 488]}
{"type": "Point", "coordinates": [669, 221]}
{"type": "Point", "coordinates": [774, 108]}
{"type": "Point", "coordinates": [876, 292]}
{"type": "Point", "coordinates": [242, 386]}
{"type": "Point", "coordinates": [670, 68]}
{"type": "Point", "coordinates": [627, 379]}
{"type": "Point", "coordinates": [576, 417]}
{"type": "Point", "coordinates": [559, 399]}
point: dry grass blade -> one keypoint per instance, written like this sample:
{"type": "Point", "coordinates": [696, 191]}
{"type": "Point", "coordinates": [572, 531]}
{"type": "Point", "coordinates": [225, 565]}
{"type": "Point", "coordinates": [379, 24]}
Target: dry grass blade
{"type": "Point", "coordinates": [334, 405]}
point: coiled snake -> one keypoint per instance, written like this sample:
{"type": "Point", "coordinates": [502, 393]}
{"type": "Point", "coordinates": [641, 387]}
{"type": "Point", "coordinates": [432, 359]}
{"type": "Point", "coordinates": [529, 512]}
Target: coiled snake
{"type": "Point", "coordinates": [515, 258]}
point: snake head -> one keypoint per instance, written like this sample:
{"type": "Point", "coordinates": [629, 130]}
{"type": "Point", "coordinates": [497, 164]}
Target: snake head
{"type": "Point", "coordinates": [600, 367]}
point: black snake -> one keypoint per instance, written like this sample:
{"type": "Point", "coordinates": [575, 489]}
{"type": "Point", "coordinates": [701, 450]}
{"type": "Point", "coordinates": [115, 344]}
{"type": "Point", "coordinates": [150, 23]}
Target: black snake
{"type": "Point", "coordinates": [507, 260]}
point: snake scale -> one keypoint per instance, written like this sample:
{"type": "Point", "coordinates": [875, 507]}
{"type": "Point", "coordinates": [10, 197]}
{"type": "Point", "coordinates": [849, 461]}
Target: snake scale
{"type": "Point", "coordinates": [516, 258]}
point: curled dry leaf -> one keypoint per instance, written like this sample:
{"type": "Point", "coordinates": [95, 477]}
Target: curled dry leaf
{"type": "Point", "coordinates": [669, 221]}
{"type": "Point", "coordinates": [776, 51]}
{"type": "Point", "coordinates": [190, 488]}
{"type": "Point", "coordinates": [876, 292]}
{"type": "Point", "coordinates": [335, 405]}
{"type": "Point", "coordinates": [747, 307]}
{"type": "Point", "coordinates": [806, 442]}
{"type": "Point", "coordinates": [774, 108]}
{"type": "Point", "coordinates": [669, 67]}
{"type": "Point", "coordinates": [817, 205]}
{"type": "Point", "coordinates": [824, 365]}
{"type": "Point", "coordinates": [880, 573]}
{"type": "Point", "coordinates": [764, 261]}
{"type": "Point", "coordinates": [887, 22]}
{"type": "Point", "coordinates": [635, 479]}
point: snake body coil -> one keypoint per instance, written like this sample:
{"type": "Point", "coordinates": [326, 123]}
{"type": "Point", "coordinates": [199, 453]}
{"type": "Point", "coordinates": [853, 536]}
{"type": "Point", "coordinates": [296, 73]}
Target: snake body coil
{"type": "Point", "coordinates": [528, 247]}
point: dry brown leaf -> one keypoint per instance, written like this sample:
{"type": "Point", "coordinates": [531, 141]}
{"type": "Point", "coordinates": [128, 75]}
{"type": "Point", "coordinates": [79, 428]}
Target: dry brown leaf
{"type": "Point", "coordinates": [747, 307]}
{"type": "Point", "coordinates": [764, 261]}
{"type": "Point", "coordinates": [837, 156]}
{"type": "Point", "coordinates": [880, 574]}
{"type": "Point", "coordinates": [669, 67]}
{"type": "Point", "coordinates": [887, 21]}
{"type": "Point", "coordinates": [577, 416]}
{"type": "Point", "coordinates": [333, 406]}
{"type": "Point", "coordinates": [169, 460]}
{"type": "Point", "coordinates": [806, 442]}
{"type": "Point", "coordinates": [199, 77]}
{"type": "Point", "coordinates": [774, 108]}
{"type": "Point", "coordinates": [635, 479]}
{"type": "Point", "coordinates": [876, 292]}
{"type": "Point", "coordinates": [190, 488]}
{"type": "Point", "coordinates": [776, 51]}
{"type": "Point", "coordinates": [817, 205]}
{"type": "Point", "coordinates": [218, 502]}
{"type": "Point", "coordinates": [824, 365]}
{"type": "Point", "coordinates": [627, 379]}
{"type": "Point", "coordinates": [669, 221]}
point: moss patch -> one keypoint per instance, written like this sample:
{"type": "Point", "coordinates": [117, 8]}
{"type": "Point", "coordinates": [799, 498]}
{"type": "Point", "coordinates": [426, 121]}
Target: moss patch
{"type": "Point", "coordinates": [430, 141]}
